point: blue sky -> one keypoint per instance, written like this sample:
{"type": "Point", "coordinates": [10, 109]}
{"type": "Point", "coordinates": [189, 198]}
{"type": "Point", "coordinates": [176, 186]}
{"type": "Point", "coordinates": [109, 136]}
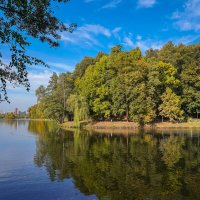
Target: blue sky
{"type": "Point", "coordinates": [103, 24]}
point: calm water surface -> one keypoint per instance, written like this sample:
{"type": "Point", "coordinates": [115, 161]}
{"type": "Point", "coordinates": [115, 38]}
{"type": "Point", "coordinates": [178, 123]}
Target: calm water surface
{"type": "Point", "coordinates": [39, 161]}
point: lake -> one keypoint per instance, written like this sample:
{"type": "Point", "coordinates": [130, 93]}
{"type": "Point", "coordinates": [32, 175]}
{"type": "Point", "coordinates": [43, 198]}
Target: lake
{"type": "Point", "coordinates": [40, 161]}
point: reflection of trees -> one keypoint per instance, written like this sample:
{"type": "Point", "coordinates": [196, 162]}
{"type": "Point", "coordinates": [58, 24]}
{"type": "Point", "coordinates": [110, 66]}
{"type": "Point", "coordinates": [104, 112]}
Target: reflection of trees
{"type": "Point", "coordinates": [114, 167]}
{"type": "Point", "coordinates": [42, 127]}
{"type": "Point", "coordinates": [171, 149]}
{"type": "Point", "coordinates": [172, 181]}
{"type": "Point", "coordinates": [14, 123]}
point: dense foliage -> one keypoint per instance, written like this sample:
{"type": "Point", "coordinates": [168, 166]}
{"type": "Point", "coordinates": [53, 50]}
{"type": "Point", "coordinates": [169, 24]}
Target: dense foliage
{"type": "Point", "coordinates": [125, 85]}
{"type": "Point", "coordinates": [18, 20]}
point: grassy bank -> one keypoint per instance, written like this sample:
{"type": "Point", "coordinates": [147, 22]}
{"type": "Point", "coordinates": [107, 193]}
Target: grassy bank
{"type": "Point", "coordinates": [131, 125]}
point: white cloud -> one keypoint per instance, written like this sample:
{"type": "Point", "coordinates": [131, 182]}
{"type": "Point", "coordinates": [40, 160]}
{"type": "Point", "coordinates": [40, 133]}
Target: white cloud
{"type": "Point", "coordinates": [19, 97]}
{"type": "Point", "coordinates": [96, 29]}
{"type": "Point", "coordinates": [138, 37]}
{"type": "Point", "coordinates": [146, 3]}
{"type": "Point", "coordinates": [148, 43]}
{"type": "Point", "coordinates": [128, 41]}
{"type": "Point", "coordinates": [55, 66]}
{"type": "Point", "coordinates": [35, 79]}
{"type": "Point", "coordinates": [116, 31]}
{"type": "Point", "coordinates": [87, 35]}
{"type": "Point", "coordinates": [188, 39]}
{"type": "Point", "coordinates": [189, 18]}
{"type": "Point", "coordinates": [111, 4]}
{"type": "Point", "coordinates": [145, 44]}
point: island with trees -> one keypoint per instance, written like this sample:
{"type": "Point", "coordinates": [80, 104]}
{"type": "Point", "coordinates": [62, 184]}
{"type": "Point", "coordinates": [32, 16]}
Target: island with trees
{"type": "Point", "coordinates": [161, 85]}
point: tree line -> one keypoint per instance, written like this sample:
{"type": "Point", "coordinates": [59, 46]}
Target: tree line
{"type": "Point", "coordinates": [12, 115]}
{"type": "Point", "coordinates": [126, 85]}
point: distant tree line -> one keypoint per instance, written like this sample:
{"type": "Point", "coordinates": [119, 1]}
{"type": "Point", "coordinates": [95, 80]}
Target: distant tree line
{"type": "Point", "coordinates": [12, 115]}
{"type": "Point", "coordinates": [126, 85]}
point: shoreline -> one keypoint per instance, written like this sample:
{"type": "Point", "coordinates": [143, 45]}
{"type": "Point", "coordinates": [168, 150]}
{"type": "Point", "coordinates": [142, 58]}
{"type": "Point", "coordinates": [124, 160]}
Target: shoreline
{"type": "Point", "coordinates": [121, 125]}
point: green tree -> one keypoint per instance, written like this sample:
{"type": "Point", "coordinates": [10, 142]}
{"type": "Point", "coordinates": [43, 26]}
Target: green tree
{"type": "Point", "coordinates": [124, 63]}
{"type": "Point", "coordinates": [168, 53]}
{"type": "Point", "coordinates": [191, 88]}
{"type": "Point", "coordinates": [115, 50]}
{"type": "Point", "coordinates": [171, 106]}
{"type": "Point", "coordinates": [40, 93]}
{"type": "Point", "coordinates": [58, 90]}
{"type": "Point", "coordinates": [52, 99]}
{"type": "Point", "coordinates": [186, 61]}
{"type": "Point", "coordinates": [78, 105]}
{"type": "Point", "coordinates": [81, 67]}
{"type": "Point", "coordinates": [10, 115]}
{"type": "Point", "coordinates": [95, 87]}
{"type": "Point", "coordinates": [151, 53]}
{"type": "Point", "coordinates": [150, 80]}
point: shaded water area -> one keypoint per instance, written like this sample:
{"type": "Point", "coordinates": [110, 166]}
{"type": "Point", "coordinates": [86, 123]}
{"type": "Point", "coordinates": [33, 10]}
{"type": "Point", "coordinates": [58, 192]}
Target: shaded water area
{"type": "Point", "coordinates": [40, 161]}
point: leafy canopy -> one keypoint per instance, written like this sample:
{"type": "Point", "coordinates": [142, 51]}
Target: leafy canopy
{"type": "Point", "coordinates": [126, 85]}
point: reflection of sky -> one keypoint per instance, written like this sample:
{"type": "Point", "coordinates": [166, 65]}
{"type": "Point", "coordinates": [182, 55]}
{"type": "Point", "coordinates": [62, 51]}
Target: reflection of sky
{"type": "Point", "coordinates": [16, 147]}
{"type": "Point", "coordinates": [20, 178]}
{"type": "Point", "coordinates": [103, 24]}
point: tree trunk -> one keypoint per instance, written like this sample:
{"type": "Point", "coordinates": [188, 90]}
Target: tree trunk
{"type": "Point", "coordinates": [127, 114]}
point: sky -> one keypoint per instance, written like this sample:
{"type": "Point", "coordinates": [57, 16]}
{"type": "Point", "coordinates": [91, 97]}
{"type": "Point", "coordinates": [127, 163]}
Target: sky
{"type": "Point", "coordinates": [103, 24]}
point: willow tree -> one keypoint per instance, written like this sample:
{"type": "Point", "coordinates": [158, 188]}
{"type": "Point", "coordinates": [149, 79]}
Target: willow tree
{"type": "Point", "coordinates": [78, 105]}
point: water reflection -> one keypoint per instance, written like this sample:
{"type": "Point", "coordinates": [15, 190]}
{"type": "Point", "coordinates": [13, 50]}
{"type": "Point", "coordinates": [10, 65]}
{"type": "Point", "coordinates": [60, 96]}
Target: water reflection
{"type": "Point", "coordinates": [171, 149]}
{"type": "Point", "coordinates": [138, 166]}
{"type": "Point", "coordinates": [14, 123]}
